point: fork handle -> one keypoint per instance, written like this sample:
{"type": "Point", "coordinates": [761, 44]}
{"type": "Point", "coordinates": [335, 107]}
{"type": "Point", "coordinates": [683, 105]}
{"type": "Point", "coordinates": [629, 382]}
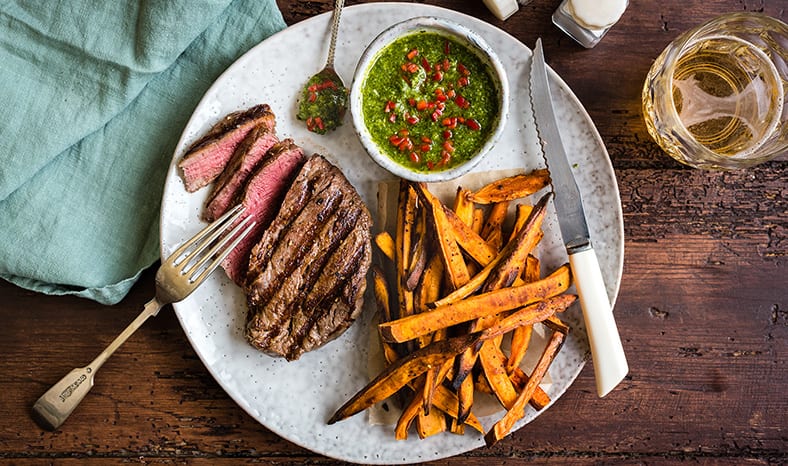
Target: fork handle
{"type": "Point", "coordinates": [54, 406]}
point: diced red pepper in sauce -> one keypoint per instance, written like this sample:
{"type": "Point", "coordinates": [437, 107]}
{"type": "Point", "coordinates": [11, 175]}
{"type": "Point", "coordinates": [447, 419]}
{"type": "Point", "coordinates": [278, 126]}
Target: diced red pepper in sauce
{"type": "Point", "coordinates": [433, 97]}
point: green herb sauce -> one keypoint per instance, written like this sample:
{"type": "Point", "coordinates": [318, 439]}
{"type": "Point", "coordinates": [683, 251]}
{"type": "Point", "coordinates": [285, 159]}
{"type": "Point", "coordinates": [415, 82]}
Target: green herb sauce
{"type": "Point", "coordinates": [429, 102]}
{"type": "Point", "coordinates": [323, 103]}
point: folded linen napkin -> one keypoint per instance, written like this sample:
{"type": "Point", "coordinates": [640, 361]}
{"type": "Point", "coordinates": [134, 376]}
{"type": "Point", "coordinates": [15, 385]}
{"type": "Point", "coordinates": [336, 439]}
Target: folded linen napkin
{"type": "Point", "coordinates": [95, 96]}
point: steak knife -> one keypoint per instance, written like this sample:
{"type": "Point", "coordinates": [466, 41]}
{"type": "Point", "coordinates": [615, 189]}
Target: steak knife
{"type": "Point", "coordinates": [610, 363]}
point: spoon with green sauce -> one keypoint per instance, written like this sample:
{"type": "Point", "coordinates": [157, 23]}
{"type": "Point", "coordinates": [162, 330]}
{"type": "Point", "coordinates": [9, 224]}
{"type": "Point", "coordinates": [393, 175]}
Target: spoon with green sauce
{"type": "Point", "coordinates": [324, 99]}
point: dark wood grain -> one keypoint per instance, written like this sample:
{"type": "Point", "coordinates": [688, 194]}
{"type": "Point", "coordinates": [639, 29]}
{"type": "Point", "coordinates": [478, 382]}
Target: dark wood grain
{"type": "Point", "coordinates": [703, 308]}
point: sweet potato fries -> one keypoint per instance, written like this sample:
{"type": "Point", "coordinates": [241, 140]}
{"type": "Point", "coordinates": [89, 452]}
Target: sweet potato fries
{"type": "Point", "coordinates": [453, 285]}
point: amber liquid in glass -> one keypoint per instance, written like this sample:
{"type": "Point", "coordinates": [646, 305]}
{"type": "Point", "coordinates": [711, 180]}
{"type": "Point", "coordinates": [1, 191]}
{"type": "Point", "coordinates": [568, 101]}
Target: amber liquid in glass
{"type": "Point", "coordinates": [727, 94]}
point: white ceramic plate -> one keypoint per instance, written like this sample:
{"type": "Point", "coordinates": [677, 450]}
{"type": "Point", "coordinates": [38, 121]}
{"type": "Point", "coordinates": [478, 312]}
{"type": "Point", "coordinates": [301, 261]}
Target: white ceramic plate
{"type": "Point", "coordinates": [294, 399]}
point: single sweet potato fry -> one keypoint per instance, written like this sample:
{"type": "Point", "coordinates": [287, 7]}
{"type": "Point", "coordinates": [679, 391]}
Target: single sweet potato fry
{"type": "Point", "coordinates": [450, 252]}
{"type": "Point", "coordinates": [493, 227]}
{"type": "Point", "coordinates": [521, 338]}
{"type": "Point", "coordinates": [522, 213]}
{"type": "Point", "coordinates": [463, 207]}
{"type": "Point", "coordinates": [407, 416]}
{"type": "Point", "coordinates": [463, 367]}
{"type": "Point", "coordinates": [417, 264]}
{"type": "Point", "coordinates": [385, 243]}
{"type": "Point", "coordinates": [493, 363]}
{"type": "Point", "coordinates": [513, 187]}
{"type": "Point", "coordinates": [382, 297]}
{"type": "Point", "coordinates": [465, 397]}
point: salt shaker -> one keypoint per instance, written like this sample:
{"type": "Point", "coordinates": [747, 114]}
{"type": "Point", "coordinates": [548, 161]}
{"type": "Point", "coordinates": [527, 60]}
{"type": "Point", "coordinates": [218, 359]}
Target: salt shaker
{"type": "Point", "coordinates": [587, 21]}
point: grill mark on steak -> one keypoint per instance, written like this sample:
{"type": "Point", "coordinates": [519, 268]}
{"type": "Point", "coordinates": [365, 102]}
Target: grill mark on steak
{"type": "Point", "coordinates": [297, 290]}
{"type": "Point", "coordinates": [289, 252]}
{"type": "Point", "coordinates": [344, 287]}
{"type": "Point", "coordinates": [207, 157]}
{"type": "Point", "coordinates": [306, 276]}
{"type": "Point", "coordinates": [315, 262]}
{"type": "Point", "coordinates": [262, 197]}
{"type": "Point", "coordinates": [259, 143]}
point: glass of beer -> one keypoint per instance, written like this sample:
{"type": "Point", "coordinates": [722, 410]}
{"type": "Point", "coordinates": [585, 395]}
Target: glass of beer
{"type": "Point", "coordinates": [716, 96]}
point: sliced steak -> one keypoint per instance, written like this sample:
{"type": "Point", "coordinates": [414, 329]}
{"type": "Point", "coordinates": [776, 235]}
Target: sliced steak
{"type": "Point", "coordinates": [205, 160]}
{"type": "Point", "coordinates": [307, 275]}
{"type": "Point", "coordinates": [261, 198]}
{"type": "Point", "coordinates": [247, 156]}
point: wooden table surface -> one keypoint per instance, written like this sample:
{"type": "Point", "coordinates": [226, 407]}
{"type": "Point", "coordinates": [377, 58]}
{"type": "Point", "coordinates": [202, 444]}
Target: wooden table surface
{"type": "Point", "coordinates": [703, 308]}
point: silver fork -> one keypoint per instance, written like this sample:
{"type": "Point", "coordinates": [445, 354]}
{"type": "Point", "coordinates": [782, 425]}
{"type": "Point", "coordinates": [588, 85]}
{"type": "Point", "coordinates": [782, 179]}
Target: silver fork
{"type": "Point", "coordinates": [178, 276]}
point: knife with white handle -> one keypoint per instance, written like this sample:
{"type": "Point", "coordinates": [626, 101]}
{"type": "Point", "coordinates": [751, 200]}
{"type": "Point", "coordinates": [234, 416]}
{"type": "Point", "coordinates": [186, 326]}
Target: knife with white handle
{"type": "Point", "coordinates": [610, 363]}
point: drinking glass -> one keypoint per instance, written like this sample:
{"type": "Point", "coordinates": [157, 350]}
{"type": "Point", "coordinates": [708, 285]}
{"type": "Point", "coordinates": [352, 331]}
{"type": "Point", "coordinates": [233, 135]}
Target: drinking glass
{"type": "Point", "coordinates": [716, 96]}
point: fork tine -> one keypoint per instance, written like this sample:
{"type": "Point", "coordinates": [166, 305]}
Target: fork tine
{"type": "Point", "coordinates": [212, 231]}
{"type": "Point", "coordinates": [221, 250]}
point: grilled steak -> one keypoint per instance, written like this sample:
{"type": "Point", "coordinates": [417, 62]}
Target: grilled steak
{"type": "Point", "coordinates": [247, 156]}
{"type": "Point", "coordinates": [206, 158]}
{"type": "Point", "coordinates": [261, 197]}
{"type": "Point", "coordinates": [307, 275]}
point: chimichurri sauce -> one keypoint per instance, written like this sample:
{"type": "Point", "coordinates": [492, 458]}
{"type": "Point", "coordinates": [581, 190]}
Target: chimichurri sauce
{"type": "Point", "coordinates": [323, 103]}
{"type": "Point", "coordinates": [429, 102]}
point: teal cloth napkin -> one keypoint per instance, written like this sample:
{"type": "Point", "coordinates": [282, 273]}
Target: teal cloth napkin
{"type": "Point", "coordinates": [94, 96]}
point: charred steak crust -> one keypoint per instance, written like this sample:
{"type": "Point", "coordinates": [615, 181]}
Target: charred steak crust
{"type": "Point", "coordinates": [207, 157]}
{"type": "Point", "coordinates": [229, 122]}
{"type": "Point", "coordinates": [306, 276]}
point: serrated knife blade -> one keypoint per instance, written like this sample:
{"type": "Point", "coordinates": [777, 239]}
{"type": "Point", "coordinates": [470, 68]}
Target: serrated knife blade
{"type": "Point", "coordinates": [610, 363]}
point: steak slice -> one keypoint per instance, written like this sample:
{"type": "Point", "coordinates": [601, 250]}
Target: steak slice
{"type": "Point", "coordinates": [307, 275]}
{"type": "Point", "coordinates": [245, 159]}
{"type": "Point", "coordinates": [206, 158]}
{"type": "Point", "coordinates": [261, 198]}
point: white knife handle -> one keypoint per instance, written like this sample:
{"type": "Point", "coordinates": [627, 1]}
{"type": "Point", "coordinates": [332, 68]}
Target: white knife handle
{"type": "Point", "coordinates": [610, 363]}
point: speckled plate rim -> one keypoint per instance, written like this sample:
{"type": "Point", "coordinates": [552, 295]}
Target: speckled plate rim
{"type": "Point", "coordinates": [295, 399]}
